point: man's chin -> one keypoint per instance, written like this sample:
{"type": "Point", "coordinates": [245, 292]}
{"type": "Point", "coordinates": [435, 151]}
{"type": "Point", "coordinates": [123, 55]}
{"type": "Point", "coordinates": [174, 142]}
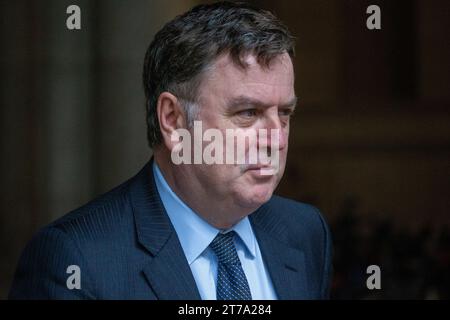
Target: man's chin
{"type": "Point", "coordinates": [255, 199]}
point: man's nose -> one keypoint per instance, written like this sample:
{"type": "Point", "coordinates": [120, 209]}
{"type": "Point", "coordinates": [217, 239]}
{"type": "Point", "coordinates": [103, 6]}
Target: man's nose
{"type": "Point", "coordinates": [276, 131]}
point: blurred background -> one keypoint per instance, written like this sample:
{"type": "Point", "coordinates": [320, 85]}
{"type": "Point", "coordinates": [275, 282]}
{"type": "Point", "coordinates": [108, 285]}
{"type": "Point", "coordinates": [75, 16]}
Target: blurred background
{"type": "Point", "coordinates": [370, 142]}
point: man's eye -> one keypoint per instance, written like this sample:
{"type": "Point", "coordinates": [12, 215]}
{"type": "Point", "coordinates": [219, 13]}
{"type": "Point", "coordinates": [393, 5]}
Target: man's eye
{"type": "Point", "coordinates": [248, 113]}
{"type": "Point", "coordinates": [285, 112]}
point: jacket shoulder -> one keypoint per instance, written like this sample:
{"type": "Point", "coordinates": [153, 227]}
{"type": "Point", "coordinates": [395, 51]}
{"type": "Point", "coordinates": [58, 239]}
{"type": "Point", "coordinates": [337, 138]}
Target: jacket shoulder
{"type": "Point", "coordinates": [298, 214]}
{"type": "Point", "coordinates": [309, 232]}
{"type": "Point", "coordinates": [99, 217]}
{"type": "Point", "coordinates": [88, 238]}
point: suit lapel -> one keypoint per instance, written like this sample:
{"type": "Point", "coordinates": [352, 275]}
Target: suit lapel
{"type": "Point", "coordinates": [169, 277]}
{"type": "Point", "coordinates": [286, 265]}
{"type": "Point", "coordinates": [168, 272]}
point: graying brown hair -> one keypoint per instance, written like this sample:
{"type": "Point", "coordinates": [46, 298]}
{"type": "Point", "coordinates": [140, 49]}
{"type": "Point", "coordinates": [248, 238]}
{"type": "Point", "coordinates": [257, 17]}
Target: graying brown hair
{"type": "Point", "coordinates": [182, 50]}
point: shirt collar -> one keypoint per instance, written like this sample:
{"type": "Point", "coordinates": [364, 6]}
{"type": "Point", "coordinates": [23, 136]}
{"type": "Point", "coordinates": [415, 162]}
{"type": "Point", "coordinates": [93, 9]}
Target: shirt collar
{"type": "Point", "coordinates": [194, 233]}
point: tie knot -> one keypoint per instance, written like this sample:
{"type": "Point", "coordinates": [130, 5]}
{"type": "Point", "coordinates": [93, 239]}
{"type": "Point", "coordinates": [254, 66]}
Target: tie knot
{"type": "Point", "coordinates": [224, 248]}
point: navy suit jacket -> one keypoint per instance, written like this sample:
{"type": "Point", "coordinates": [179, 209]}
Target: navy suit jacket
{"type": "Point", "coordinates": [126, 248]}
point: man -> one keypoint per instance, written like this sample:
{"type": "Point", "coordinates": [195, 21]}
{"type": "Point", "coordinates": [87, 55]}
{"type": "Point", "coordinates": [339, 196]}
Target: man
{"type": "Point", "coordinates": [199, 230]}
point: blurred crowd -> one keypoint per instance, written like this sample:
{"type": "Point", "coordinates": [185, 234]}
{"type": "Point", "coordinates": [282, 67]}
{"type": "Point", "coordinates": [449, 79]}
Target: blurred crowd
{"type": "Point", "coordinates": [413, 264]}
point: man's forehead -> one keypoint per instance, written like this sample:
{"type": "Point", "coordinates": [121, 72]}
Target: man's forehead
{"type": "Point", "coordinates": [226, 73]}
{"type": "Point", "coordinates": [235, 102]}
{"type": "Point", "coordinates": [225, 80]}
{"type": "Point", "coordinates": [225, 62]}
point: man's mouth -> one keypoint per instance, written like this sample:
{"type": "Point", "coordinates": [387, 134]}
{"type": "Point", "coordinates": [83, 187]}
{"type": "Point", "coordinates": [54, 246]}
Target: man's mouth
{"type": "Point", "coordinates": [257, 167]}
{"type": "Point", "coordinates": [261, 170]}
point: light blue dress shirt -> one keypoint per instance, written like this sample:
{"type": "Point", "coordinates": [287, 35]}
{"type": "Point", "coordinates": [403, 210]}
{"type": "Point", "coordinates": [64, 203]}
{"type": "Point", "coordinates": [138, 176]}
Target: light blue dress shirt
{"type": "Point", "coordinates": [195, 235]}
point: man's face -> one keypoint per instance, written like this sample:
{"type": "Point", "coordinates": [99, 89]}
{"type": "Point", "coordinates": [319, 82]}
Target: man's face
{"type": "Point", "coordinates": [250, 99]}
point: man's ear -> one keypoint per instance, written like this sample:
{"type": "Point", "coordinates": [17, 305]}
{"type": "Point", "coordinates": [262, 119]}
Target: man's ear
{"type": "Point", "coordinates": [170, 117]}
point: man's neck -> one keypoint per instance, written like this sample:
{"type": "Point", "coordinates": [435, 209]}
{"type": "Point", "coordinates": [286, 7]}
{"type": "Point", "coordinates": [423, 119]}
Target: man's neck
{"type": "Point", "coordinates": [189, 190]}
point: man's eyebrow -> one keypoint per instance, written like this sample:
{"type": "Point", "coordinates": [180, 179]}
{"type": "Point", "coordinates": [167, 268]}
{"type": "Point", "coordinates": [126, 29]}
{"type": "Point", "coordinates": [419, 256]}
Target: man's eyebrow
{"type": "Point", "coordinates": [240, 101]}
